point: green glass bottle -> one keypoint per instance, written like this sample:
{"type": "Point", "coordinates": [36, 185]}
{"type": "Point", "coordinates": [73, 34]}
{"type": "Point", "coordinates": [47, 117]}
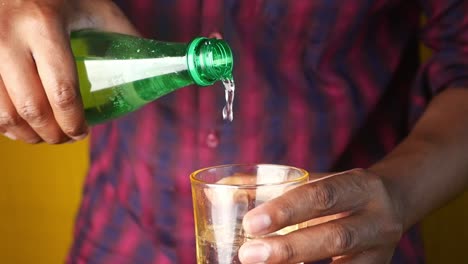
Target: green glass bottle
{"type": "Point", "coordinates": [119, 73]}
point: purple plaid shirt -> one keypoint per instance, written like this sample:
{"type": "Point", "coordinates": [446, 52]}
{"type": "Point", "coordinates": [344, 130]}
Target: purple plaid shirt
{"type": "Point", "coordinates": [325, 85]}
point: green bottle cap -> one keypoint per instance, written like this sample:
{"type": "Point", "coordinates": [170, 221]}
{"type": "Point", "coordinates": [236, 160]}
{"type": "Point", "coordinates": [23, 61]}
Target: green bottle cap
{"type": "Point", "coordinates": [209, 60]}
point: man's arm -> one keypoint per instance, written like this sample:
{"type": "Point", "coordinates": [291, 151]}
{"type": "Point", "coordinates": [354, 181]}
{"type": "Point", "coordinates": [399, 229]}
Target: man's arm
{"type": "Point", "coordinates": [369, 209]}
{"type": "Point", "coordinates": [431, 166]}
{"type": "Point", "coordinates": [375, 206]}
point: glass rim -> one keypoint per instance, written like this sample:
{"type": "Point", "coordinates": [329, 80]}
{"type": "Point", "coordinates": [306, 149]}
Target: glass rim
{"type": "Point", "coordinates": [194, 180]}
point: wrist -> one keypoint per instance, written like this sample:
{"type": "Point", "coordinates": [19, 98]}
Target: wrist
{"type": "Point", "coordinates": [397, 197]}
{"type": "Point", "coordinates": [408, 174]}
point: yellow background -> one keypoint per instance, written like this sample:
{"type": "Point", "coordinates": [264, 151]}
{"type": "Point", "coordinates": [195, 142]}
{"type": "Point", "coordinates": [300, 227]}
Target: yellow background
{"type": "Point", "coordinates": [40, 188]}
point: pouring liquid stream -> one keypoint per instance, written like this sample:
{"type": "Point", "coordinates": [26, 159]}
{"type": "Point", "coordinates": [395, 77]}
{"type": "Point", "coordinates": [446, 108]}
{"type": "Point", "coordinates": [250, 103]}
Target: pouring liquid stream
{"type": "Point", "coordinates": [229, 90]}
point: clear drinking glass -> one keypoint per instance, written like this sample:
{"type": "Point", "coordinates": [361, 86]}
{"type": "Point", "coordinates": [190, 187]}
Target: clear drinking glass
{"type": "Point", "coordinates": [222, 195]}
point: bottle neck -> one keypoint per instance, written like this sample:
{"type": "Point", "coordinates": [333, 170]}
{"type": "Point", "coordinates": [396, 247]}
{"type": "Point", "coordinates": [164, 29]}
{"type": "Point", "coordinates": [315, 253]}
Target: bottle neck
{"type": "Point", "coordinates": [209, 60]}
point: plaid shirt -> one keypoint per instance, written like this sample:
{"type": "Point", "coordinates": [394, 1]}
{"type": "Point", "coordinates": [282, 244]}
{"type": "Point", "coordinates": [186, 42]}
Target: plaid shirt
{"type": "Point", "coordinates": [325, 85]}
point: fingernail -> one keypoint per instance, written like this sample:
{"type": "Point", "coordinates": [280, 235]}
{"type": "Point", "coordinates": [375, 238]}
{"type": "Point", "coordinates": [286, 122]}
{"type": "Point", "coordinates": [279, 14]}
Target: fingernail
{"type": "Point", "coordinates": [216, 35]}
{"type": "Point", "coordinates": [80, 137]}
{"type": "Point", "coordinates": [257, 224]}
{"type": "Point", "coordinates": [10, 135]}
{"type": "Point", "coordinates": [254, 252]}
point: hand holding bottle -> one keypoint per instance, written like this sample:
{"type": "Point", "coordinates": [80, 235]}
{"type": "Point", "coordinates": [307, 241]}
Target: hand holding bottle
{"type": "Point", "coordinates": [39, 96]}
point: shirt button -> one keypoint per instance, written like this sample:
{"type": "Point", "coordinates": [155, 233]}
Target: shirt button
{"type": "Point", "coordinates": [212, 139]}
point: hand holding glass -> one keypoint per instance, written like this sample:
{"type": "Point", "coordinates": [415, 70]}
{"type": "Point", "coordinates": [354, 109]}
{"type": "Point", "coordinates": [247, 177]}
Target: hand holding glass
{"type": "Point", "coordinates": [223, 195]}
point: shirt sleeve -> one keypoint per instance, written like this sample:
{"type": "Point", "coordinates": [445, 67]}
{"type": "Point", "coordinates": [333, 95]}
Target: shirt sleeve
{"type": "Point", "coordinates": [446, 34]}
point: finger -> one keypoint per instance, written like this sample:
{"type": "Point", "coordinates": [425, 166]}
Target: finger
{"type": "Point", "coordinates": [11, 124]}
{"type": "Point", "coordinates": [335, 194]}
{"type": "Point", "coordinates": [344, 236]}
{"type": "Point", "coordinates": [56, 67]}
{"type": "Point", "coordinates": [377, 256]}
{"type": "Point", "coordinates": [27, 95]}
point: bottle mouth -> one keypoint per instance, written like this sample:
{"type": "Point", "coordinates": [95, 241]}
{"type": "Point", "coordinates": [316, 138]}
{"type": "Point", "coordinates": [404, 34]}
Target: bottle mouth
{"type": "Point", "coordinates": [209, 60]}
